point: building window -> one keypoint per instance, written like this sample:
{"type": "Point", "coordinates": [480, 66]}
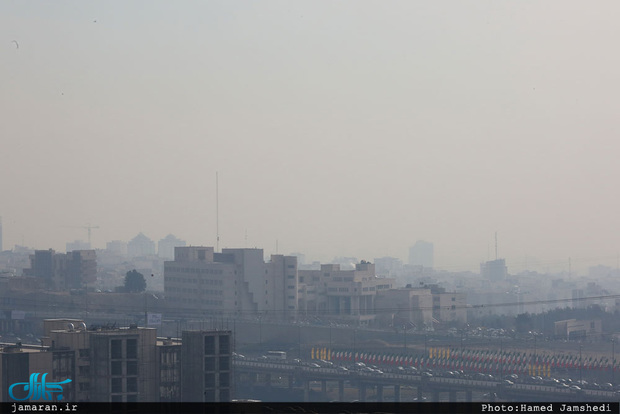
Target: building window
{"type": "Point", "coordinates": [132, 348]}
{"type": "Point", "coordinates": [132, 398]}
{"type": "Point", "coordinates": [84, 369]}
{"type": "Point", "coordinates": [132, 367]}
{"type": "Point", "coordinates": [117, 385]}
{"type": "Point", "coordinates": [224, 395]}
{"type": "Point", "coordinates": [116, 349]}
{"type": "Point", "coordinates": [84, 353]}
{"type": "Point", "coordinates": [210, 364]}
{"type": "Point", "coordinates": [117, 398]}
{"type": "Point", "coordinates": [209, 380]}
{"type": "Point", "coordinates": [224, 379]}
{"type": "Point", "coordinates": [224, 344]}
{"type": "Point", "coordinates": [209, 345]}
{"type": "Point", "coordinates": [210, 396]}
{"type": "Point", "coordinates": [132, 384]}
{"type": "Point", "coordinates": [117, 368]}
{"type": "Point", "coordinates": [224, 364]}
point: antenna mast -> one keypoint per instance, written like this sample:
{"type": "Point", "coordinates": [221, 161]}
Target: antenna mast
{"type": "Point", "coordinates": [217, 213]}
{"type": "Point", "coordinates": [495, 245]}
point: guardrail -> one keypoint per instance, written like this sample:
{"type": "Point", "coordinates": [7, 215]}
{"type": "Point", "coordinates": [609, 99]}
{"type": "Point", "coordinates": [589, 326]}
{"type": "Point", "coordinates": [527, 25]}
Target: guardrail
{"type": "Point", "coordinates": [445, 383]}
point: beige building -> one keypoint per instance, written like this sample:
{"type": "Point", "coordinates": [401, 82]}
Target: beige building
{"type": "Point", "coordinates": [576, 329]}
{"type": "Point", "coordinates": [405, 307]}
{"type": "Point", "coordinates": [236, 281]}
{"type": "Point", "coordinates": [346, 295]}
{"type": "Point", "coordinates": [450, 307]}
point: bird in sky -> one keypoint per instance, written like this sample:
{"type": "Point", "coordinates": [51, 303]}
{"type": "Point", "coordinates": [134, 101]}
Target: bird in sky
{"type": "Point", "coordinates": [16, 44]}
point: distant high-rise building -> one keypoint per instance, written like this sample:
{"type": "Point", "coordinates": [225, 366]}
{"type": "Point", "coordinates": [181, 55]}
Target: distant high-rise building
{"type": "Point", "coordinates": [117, 247]}
{"type": "Point", "coordinates": [140, 246]}
{"type": "Point", "coordinates": [494, 270]}
{"type": "Point", "coordinates": [61, 271]}
{"type": "Point", "coordinates": [301, 258]}
{"type": "Point", "coordinates": [388, 266]}
{"type": "Point", "coordinates": [165, 247]}
{"type": "Point", "coordinates": [235, 280]}
{"type": "Point", "coordinates": [422, 254]}
{"type": "Point", "coordinates": [77, 245]}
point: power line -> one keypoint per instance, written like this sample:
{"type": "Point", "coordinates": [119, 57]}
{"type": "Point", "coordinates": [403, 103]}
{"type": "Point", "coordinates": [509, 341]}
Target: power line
{"type": "Point", "coordinates": [124, 308]}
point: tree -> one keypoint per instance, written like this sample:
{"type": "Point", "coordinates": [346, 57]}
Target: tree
{"type": "Point", "coordinates": [134, 282]}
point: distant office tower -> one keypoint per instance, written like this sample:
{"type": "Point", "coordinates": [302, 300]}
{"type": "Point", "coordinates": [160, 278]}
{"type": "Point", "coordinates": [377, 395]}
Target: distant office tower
{"type": "Point", "coordinates": [140, 246]}
{"type": "Point", "coordinates": [117, 247]}
{"type": "Point", "coordinates": [422, 254]}
{"type": "Point", "coordinates": [77, 245]}
{"type": "Point", "coordinates": [301, 258]}
{"type": "Point", "coordinates": [388, 266]}
{"type": "Point", "coordinates": [235, 280]}
{"type": "Point", "coordinates": [165, 247]}
{"type": "Point", "coordinates": [61, 271]}
{"type": "Point", "coordinates": [494, 270]}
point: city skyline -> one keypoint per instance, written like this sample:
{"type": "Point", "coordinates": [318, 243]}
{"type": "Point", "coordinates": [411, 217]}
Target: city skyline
{"type": "Point", "coordinates": [340, 129]}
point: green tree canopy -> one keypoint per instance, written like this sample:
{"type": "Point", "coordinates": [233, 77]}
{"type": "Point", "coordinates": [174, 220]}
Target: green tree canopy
{"type": "Point", "coordinates": [135, 282]}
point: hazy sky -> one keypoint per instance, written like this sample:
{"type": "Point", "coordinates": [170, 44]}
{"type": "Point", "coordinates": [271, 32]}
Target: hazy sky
{"type": "Point", "coordinates": [348, 128]}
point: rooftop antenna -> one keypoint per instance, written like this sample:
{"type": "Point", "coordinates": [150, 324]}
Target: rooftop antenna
{"type": "Point", "coordinates": [495, 245]}
{"type": "Point", "coordinates": [217, 213]}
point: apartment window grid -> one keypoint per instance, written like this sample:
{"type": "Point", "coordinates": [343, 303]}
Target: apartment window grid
{"type": "Point", "coordinates": [217, 366]}
{"type": "Point", "coordinates": [124, 370]}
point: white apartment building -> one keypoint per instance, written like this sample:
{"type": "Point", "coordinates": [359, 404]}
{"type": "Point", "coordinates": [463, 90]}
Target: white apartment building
{"type": "Point", "coordinates": [348, 295]}
{"type": "Point", "coordinates": [236, 282]}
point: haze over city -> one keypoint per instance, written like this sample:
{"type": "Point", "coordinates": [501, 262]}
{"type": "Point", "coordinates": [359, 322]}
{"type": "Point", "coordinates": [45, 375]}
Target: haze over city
{"type": "Point", "coordinates": [336, 129]}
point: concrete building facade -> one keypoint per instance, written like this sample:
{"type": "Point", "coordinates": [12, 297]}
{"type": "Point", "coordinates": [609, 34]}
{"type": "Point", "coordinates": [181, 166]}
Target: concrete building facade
{"type": "Point", "coordinates": [165, 247]}
{"type": "Point", "coordinates": [140, 246]}
{"type": "Point", "coordinates": [347, 295]}
{"type": "Point", "coordinates": [60, 271]}
{"type": "Point", "coordinates": [422, 253]}
{"type": "Point", "coordinates": [206, 366]}
{"type": "Point", "coordinates": [236, 281]}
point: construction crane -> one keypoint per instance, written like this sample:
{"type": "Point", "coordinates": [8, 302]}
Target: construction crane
{"type": "Point", "coordinates": [87, 227]}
